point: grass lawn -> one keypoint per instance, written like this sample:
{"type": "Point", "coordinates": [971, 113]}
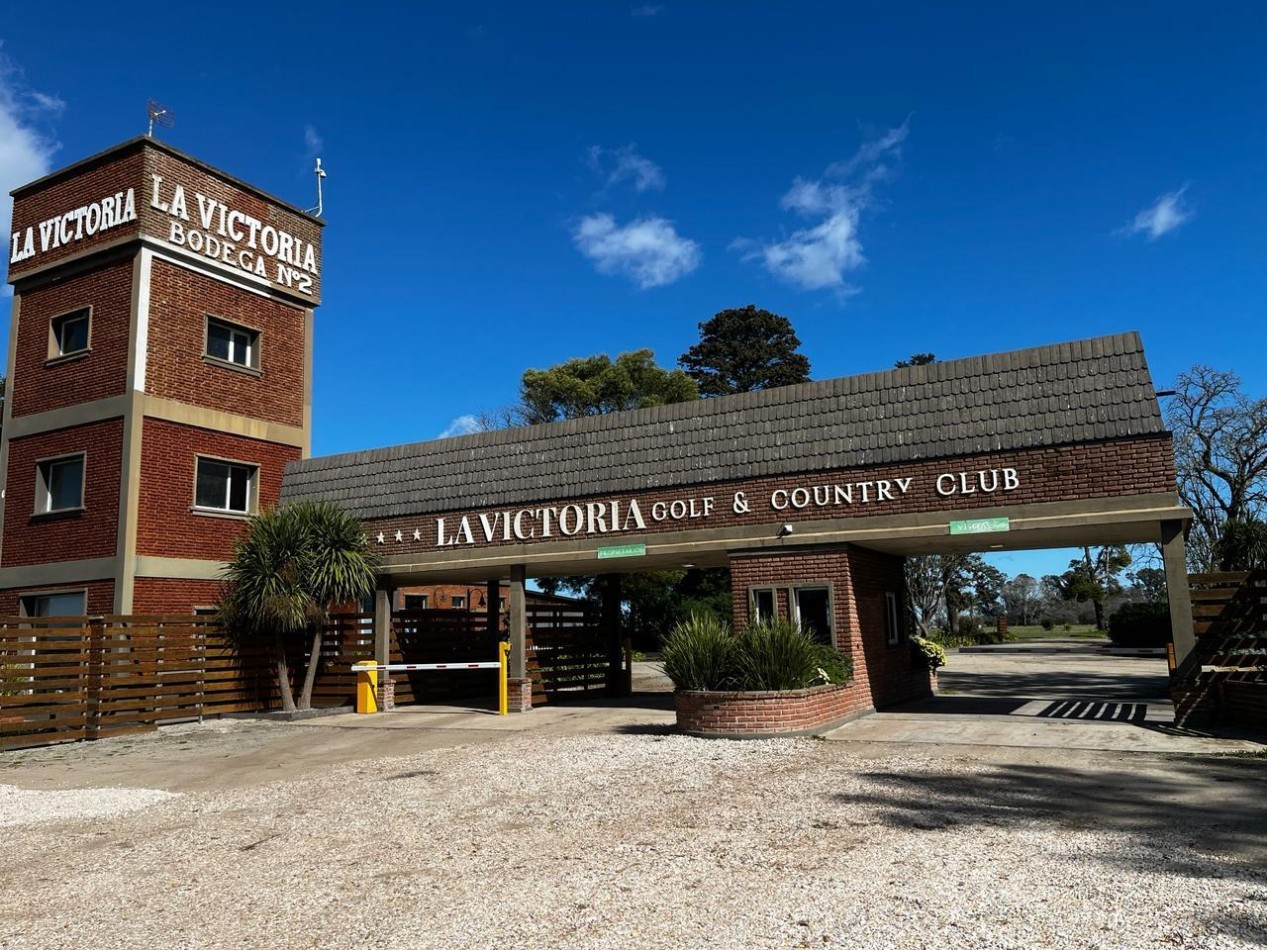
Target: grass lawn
{"type": "Point", "coordinates": [1034, 632]}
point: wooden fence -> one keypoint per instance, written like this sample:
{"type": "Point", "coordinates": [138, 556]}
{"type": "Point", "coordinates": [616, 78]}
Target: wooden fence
{"type": "Point", "coordinates": [1227, 676]}
{"type": "Point", "coordinates": [68, 678]}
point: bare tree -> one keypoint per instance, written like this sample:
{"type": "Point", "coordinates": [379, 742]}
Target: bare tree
{"type": "Point", "coordinates": [1220, 438]}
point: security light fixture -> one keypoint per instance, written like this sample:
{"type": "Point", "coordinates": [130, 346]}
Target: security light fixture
{"type": "Point", "coordinates": [785, 531]}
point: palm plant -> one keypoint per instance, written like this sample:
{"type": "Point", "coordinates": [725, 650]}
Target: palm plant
{"type": "Point", "coordinates": [291, 567]}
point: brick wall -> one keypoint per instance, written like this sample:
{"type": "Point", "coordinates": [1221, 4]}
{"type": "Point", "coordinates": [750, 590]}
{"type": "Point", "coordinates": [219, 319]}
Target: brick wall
{"type": "Point", "coordinates": [1106, 469]}
{"type": "Point", "coordinates": [89, 183]}
{"type": "Point", "coordinates": [133, 166]}
{"type": "Point", "coordinates": [166, 595]}
{"type": "Point", "coordinates": [180, 300]}
{"type": "Point", "coordinates": [195, 179]}
{"type": "Point", "coordinates": [167, 525]}
{"type": "Point", "coordinates": [858, 580]}
{"type": "Point", "coordinates": [755, 714]}
{"type": "Point", "coordinates": [893, 675]}
{"type": "Point", "coordinates": [100, 596]}
{"type": "Point", "coordinates": [90, 533]}
{"type": "Point", "coordinates": [102, 372]}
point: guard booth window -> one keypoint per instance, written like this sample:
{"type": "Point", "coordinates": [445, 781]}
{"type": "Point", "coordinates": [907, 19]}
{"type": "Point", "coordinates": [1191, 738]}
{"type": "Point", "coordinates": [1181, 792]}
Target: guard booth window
{"type": "Point", "coordinates": [763, 604]}
{"type": "Point", "coordinates": [813, 612]}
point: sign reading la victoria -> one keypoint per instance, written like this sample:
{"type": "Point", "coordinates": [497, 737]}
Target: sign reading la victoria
{"type": "Point", "coordinates": [619, 515]}
{"type": "Point", "coordinates": [199, 223]}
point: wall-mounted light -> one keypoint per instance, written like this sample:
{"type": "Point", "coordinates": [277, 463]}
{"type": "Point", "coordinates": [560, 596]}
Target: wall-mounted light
{"type": "Point", "coordinates": [785, 530]}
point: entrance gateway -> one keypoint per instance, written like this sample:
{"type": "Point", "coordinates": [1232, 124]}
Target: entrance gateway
{"type": "Point", "coordinates": [812, 494]}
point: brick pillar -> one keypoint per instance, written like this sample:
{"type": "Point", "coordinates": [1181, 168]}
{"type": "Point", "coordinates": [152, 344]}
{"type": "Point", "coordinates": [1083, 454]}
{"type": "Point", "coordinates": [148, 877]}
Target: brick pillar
{"type": "Point", "coordinates": [519, 693]}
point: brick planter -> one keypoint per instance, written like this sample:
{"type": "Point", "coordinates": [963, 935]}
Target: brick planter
{"type": "Point", "coordinates": [760, 715]}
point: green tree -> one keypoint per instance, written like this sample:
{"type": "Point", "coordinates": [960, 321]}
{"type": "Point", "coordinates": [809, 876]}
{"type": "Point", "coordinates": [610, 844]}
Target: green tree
{"type": "Point", "coordinates": [743, 350]}
{"type": "Point", "coordinates": [1242, 546]}
{"type": "Point", "coordinates": [1150, 584]}
{"type": "Point", "coordinates": [291, 567]}
{"type": "Point", "coordinates": [594, 385]}
{"type": "Point", "coordinates": [917, 359]}
{"type": "Point", "coordinates": [950, 583]}
{"type": "Point", "coordinates": [1020, 598]}
{"type": "Point", "coordinates": [1094, 578]}
{"type": "Point", "coordinates": [1220, 440]}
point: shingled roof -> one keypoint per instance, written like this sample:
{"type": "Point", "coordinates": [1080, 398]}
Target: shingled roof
{"type": "Point", "coordinates": [1063, 393]}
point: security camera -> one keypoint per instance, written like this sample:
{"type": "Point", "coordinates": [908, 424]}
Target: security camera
{"type": "Point", "coordinates": [785, 530]}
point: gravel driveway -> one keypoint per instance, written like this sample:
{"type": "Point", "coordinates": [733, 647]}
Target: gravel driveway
{"type": "Point", "coordinates": [637, 838]}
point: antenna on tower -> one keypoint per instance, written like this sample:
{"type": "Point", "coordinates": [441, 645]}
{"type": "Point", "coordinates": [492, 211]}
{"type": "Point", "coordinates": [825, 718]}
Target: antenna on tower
{"type": "Point", "coordinates": [159, 115]}
{"type": "Point", "coordinates": [320, 173]}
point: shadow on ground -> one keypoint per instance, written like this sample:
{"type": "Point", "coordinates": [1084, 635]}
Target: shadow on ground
{"type": "Point", "coordinates": [1215, 804]}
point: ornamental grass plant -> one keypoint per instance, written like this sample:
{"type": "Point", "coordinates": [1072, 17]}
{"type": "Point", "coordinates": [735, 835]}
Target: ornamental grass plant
{"type": "Point", "coordinates": [696, 654]}
{"type": "Point", "coordinates": [703, 654]}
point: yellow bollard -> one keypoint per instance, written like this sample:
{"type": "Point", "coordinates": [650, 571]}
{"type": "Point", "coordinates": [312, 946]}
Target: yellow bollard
{"type": "Point", "coordinates": [366, 686]}
{"type": "Point", "coordinates": [503, 699]}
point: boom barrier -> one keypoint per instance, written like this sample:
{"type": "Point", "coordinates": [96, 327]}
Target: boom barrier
{"type": "Point", "coordinates": [367, 677]}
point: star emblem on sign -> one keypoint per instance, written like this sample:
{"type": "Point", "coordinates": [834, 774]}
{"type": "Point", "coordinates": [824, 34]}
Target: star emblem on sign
{"type": "Point", "coordinates": [417, 534]}
{"type": "Point", "coordinates": [399, 536]}
{"type": "Point", "coordinates": [380, 539]}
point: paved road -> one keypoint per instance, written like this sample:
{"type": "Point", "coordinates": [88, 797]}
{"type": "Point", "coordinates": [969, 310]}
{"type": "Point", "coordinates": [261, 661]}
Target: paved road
{"type": "Point", "coordinates": [1045, 700]}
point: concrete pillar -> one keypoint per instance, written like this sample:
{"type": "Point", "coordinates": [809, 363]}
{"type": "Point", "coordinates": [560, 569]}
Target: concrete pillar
{"type": "Point", "coordinates": [518, 622]}
{"type": "Point", "coordinates": [1175, 560]}
{"type": "Point", "coordinates": [382, 625]}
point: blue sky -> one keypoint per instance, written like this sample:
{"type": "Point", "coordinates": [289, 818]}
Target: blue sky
{"type": "Point", "coordinates": [511, 185]}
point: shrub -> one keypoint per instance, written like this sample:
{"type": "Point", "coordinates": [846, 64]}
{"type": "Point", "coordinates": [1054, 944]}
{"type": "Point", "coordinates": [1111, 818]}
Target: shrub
{"type": "Point", "coordinates": [967, 629]}
{"type": "Point", "coordinates": [1140, 625]}
{"type": "Point", "coordinates": [698, 653]}
{"type": "Point", "coordinates": [1047, 624]}
{"type": "Point", "coordinates": [929, 654]}
{"type": "Point", "coordinates": [777, 655]}
{"type": "Point", "coordinates": [702, 654]}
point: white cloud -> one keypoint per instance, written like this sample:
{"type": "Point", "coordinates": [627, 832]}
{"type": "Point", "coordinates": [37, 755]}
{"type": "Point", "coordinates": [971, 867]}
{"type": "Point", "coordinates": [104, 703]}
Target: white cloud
{"type": "Point", "coordinates": [647, 9]}
{"type": "Point", "coordinates": [313, 142]}
{"type": "Point", "coordinates": [819, 256]}
{"type": "Point", "coordinates": [1163, 216]}
{"type": "Point", "coordinates": [26, 153]}
{"type": "Point", "coordinates": [648, 251]}
{"type": "Point", "coordinates": [462, 425]}
{"type": "Point", "coordinates": [625, 164]}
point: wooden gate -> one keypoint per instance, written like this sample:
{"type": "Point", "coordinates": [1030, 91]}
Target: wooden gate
{"type": "Point", "coordinates": [570, 655]}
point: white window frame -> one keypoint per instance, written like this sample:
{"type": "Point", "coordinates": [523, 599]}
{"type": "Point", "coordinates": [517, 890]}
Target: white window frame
{"type": "Point", "coordinates": [420, 597]}
{"type": "Point", "coordinates": [458, 602]}
{"type": "Point", "coordinates": [755, 607]}
{"type": "Point", "coordinates": [56, 325]}
{"type": "Point", "coordinates": [44, 482]}
{"type": "Point", "coordinates": [252, 487]}
{"type": "Point", "coordinates": [240, 338]}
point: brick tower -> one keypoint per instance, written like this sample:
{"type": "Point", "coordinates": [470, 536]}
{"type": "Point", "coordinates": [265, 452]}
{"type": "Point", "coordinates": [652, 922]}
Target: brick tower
{"type": "Point", "coordinates": [159, 378]}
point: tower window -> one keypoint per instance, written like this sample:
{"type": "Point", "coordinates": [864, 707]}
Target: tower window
{"type": "Point", "coordinates": [69, 603]}
{"type": "Point", "coordinates": [68, 333]}
{"type": "Point", "coordinates": [225, 486]}
{"type": "Point", "coordinates": [233, 344]}
{"type": "Point", "coordinates": [59, 484]}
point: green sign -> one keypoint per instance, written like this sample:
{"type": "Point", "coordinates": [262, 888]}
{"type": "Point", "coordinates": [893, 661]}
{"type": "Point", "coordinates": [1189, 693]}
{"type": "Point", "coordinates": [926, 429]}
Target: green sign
{"type": "Point", "coordinates": [980, 526]}
{"type": "Point", "coordinates": [623, 550]}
